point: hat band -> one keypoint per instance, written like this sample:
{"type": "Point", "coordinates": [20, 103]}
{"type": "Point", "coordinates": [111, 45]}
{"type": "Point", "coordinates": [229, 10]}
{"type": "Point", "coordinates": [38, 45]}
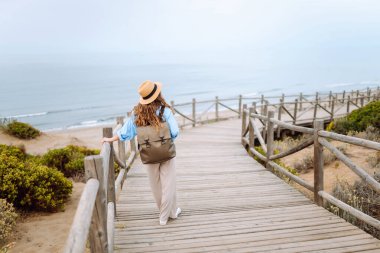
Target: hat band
{"type": "Point", "coordinates": [152, 93]}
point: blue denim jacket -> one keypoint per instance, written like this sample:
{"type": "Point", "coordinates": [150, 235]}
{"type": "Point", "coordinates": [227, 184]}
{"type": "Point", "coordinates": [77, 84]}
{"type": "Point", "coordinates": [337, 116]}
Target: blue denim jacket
{"type": "Point", "coordinates": [128, 130]}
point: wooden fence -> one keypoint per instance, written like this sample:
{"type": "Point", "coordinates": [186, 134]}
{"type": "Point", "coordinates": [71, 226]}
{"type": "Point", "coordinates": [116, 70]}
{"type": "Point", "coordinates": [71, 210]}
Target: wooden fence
{"type": "Point", "coordinates": [297, 109]}
{"type": "Point", "coordinates": [94, 218]}
{"type": "Point", "coordinates": [320, 140]}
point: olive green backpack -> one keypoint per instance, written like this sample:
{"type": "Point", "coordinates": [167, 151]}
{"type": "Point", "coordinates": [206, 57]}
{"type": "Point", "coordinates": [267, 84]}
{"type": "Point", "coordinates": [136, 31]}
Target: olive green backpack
{"type": "Point", "coordinates": [155, 145]}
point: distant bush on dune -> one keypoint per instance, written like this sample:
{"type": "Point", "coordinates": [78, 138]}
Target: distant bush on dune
{"type": "Point", "coordinates": [19, 129]}
{"type": "Point", "coordinates": [358, 120]}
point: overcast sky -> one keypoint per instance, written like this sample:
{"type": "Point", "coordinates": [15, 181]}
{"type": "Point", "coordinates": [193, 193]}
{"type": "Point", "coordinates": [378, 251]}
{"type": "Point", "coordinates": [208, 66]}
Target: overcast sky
{"type": "Point", "coordinates": [52, 26]}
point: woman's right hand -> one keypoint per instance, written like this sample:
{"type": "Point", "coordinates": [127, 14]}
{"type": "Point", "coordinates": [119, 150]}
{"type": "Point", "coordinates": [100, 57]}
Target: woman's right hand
{"type": "Point", "coordinates": [105, 139]}
{"type": "Point", "coordinates": [112, 139]}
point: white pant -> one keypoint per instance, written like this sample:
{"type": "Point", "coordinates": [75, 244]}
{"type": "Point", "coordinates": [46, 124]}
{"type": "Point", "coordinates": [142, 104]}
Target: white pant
{"type": "Point", "coordinates": [162, 178]}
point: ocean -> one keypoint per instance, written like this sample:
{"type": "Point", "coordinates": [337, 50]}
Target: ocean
{"type": "Point", "coordinates": [54, 94]}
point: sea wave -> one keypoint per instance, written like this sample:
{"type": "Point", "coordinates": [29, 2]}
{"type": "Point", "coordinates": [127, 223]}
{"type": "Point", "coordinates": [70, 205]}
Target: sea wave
{"type": "Point", "coordinates": [333, 85]}
{"type": "Point", "coordinates": [37, 114]}
{"type": "Point", "coordinates": [28, 115]}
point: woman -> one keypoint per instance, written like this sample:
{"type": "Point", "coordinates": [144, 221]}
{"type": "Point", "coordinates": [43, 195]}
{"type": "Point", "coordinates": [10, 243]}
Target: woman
{"type": "Point", "coordinates": [152, 110]}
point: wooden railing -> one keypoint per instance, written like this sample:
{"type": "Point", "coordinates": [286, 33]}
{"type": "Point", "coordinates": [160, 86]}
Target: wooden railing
{"type": "Point", "coordinates": [290, 108]}
{"type": "Point", "coordinates": [319, 139]}
{"type": "Point", "coordinates": [95, 215]}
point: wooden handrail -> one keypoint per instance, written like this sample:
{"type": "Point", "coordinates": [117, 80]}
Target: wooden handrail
{"type": "Point", "coordinates": [351, 140]}
{"type": "Point", "coordinates": [293, 150]}
{"type": "Point", "coordinates": [358, 171]}
{"type": "Point", "coordinates": [258, 134]}
{"type": "Point", "coordinates": [76, 242]}
{"type": "Point", "coordinates": [349, 209]}
{"type": "Point", "coordinates": [98, 200]}
{"type": "Point", "coordinates": [319, 141]}
{"type": "Point", "coordinates": [330, 99]}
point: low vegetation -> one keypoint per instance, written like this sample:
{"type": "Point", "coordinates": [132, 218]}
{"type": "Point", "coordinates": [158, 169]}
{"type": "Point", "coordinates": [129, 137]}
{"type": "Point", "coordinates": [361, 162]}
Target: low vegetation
{"type": "Point", "coordinates": [30, 185]}
{"type": "Point", "coordinates": [358, 120]}
{"type": "Point", "coordinates": [69, 160]}
{"type": "Point", "coordinates": [19, 129]}
{"type": "Point", "coordinates": [8, 218]}
{"type": "Point", "coordinates": [360, 196]}
{"type": "Point", "coordinates": [278, 161]}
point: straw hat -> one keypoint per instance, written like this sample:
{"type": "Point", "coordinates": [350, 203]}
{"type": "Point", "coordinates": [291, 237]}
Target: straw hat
{"type": "Point", "coordinates": [149, 91]}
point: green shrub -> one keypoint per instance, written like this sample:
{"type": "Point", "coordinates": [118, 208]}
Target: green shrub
{"type": "Point", "coordinates": [20, 130]}
{"type": "Point", "coordinates": [358, 120]}
{"type": "Point", "coordinates": [69, 160]}
{"type": "Point", "coordinates": [47, 189]}
{"type": "Point", "coordinates": [8, 218]}
{"type": "Point", "coordinates": [368, 115]}
{"type": "Point", "coordinates": [13, 151]}
{"type": "Point", "coordinates": [30, 185]}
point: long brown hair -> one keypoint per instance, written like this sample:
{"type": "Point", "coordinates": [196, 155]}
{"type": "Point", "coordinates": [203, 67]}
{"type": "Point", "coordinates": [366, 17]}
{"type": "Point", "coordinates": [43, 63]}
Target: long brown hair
{"type": "Point", "coordinates": [145, 115]}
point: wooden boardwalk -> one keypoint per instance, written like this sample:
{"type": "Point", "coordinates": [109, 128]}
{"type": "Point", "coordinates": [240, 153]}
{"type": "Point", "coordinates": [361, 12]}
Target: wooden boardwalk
{"type": "Point", "coordinates": [230, 203]}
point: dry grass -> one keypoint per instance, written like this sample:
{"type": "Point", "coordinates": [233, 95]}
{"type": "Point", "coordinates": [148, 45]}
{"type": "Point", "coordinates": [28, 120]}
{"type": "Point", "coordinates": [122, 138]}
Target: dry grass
{"type": "Point", "coordinates": [360, 196]}
{"type": "Point", "coordinates": [371, 133]}
{"type": "Point", "coordinates": [374, 160]}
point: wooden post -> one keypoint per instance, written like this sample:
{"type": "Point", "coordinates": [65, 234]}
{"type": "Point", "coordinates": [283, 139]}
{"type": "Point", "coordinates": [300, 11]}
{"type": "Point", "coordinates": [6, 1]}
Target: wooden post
{"type": "Point", "coordinates": [357, 97]}
{"type": "Point", "coordinates": [120, 144]}
{"type": "Point", "coordinates": [262, 99]}
{"type": "Point", "coordinates": [265, 112]}
{"type": "Point", "coordinates": [270, 139]}
{"type": "Point", "coordinates": [98, 230]}
{"type": "Point", "coordinates": [344, 96]}
{"type": "Point", "coordinates": [362, 100]}
{"type": "Point", "coordinates": [348, 104]}
{"type": "Point", "coordinates": [217, 108]}
{"type": "Point", "coordinates": [295, 111]}
{"type": "Point", "coordinates": [332, 109]}
{"type": "Point", "coordinates": [283, 97]}
{"type": "Point", "coordinates": [194, 113]}
{"type": "Point", "coordinates": [279, 117]}
{"type": "Point", "coordinates": [295, 114]}
{"type": "Point", "coordinates": [244, 120]}
{"type": "Point", "coordinates": [318, 163]}
{"type": "Point", "coordinates": [251, 131]}
{"type": "Point", "coordinates": [368, 94]}
{"type": "Point", "coordinates": [315, 110]}
{"type": "Point", "coordinates": [316, 96]}
{"type": "Point", "coordinates": [111, 196]}
{"type": "Point", "coordinates": [330, 96]}
{"type": "Point", "coordinates": [240, 103]}
{"type": "Point", "coordinates": [301, 98]}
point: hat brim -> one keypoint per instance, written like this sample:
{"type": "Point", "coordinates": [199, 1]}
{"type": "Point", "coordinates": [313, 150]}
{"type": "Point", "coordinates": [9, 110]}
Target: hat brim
{"type": "Point", "coordinates": [153, 97]}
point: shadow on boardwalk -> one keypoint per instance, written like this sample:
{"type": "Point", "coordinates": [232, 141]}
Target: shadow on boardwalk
{"type": "Point", "coordinates": [230, 203]}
